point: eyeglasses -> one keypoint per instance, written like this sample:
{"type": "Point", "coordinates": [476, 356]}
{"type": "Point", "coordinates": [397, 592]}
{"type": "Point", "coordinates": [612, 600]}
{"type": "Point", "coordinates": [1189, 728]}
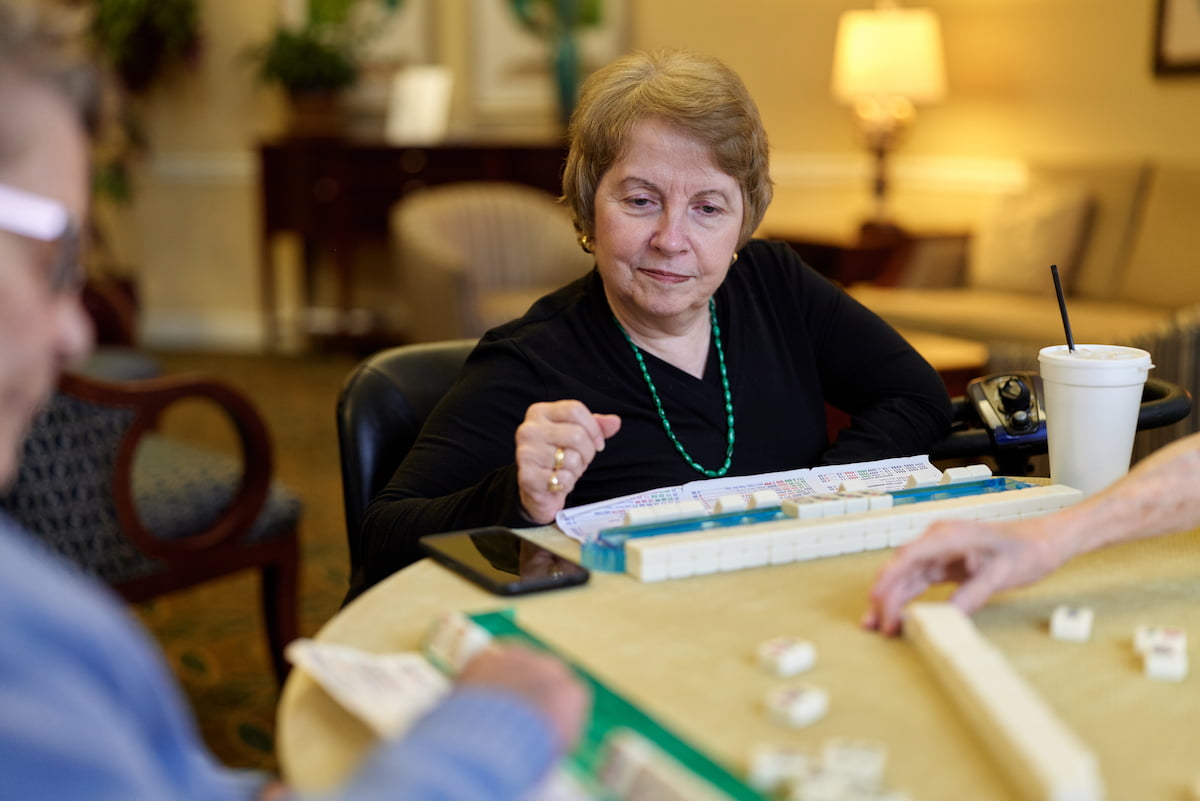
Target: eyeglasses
{"type": "Point", "coordinates": [48, 223]}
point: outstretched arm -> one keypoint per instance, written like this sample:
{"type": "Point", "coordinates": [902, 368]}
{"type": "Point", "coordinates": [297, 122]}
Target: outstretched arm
{"type": "Point", "coordinates": [1159, 496]}
{"type": "Point", "coordinates": [513, 714]}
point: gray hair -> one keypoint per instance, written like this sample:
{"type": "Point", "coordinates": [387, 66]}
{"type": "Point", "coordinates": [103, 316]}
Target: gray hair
{"type": "Point", "coordinates": [46, 43]}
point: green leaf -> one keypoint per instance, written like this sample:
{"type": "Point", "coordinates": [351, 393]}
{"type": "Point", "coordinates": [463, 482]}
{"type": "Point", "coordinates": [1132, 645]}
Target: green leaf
{"type": "Point", "coordinates": [111, 180]}
{"type": "Point", "coordinates": [310, 59]}
{"type": "Point", "coordinates": [328, 12]}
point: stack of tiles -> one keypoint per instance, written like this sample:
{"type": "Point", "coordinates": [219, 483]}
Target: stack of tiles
{"type": "Point", "coordinates": [1037, 751]}
{"type": "Point", "coordinates": [634, 769]}
{"type": "Point", "coordinates": [826, 525]}
{"type": "Point", "coordinates": [453, 639]}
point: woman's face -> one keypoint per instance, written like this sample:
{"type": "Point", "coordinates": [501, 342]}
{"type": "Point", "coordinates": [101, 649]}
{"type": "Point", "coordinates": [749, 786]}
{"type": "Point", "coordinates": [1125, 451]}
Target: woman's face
{"type": "Point", "coordinates": [40, 330]}
{"type": "Point", "coordinates": [666, 225]}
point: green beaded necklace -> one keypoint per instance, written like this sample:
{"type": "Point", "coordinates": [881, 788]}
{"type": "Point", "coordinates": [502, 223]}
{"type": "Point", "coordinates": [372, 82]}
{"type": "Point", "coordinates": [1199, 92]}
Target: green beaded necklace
{"type": "Point", "coordinates": [662, 414]}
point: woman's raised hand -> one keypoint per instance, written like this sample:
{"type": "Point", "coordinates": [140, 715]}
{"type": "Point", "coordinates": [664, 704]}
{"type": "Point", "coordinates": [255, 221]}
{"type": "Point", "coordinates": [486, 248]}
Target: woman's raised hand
{"type": "Point", "coordinates": [555, 445]}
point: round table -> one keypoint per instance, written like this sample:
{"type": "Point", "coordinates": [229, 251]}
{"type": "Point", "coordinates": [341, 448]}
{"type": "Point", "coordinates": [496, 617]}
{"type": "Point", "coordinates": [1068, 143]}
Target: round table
{"type": "Point", "coordinates": [684, 652]}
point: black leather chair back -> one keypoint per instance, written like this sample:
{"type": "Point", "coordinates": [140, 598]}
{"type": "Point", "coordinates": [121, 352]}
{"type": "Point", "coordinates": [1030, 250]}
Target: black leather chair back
{"type": "Point", "coordinates": [380, 411]}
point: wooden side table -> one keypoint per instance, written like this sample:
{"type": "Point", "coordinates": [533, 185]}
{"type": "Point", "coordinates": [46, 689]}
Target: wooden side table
{"type": "Point", "coordinates": [844, 261]}
{"type": "Point", "coordinates": [884, 255]}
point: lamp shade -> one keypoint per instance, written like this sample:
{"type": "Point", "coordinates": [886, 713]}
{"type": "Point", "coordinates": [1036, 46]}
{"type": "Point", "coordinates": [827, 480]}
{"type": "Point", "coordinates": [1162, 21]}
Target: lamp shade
{"type": "Point", "coordinates": [889, 51]}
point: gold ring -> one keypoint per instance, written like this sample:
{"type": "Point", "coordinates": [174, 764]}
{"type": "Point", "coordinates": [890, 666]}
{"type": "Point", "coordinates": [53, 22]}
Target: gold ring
{"type": "Point", "coordinates": [560, 456]}
{"type": "Point", "coordinates": [554, 485]}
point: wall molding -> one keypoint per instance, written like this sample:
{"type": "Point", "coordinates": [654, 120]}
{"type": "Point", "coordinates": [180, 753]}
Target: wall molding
{"type": "Point", "coordinates": [810, 169]}
{"type": "Point", "coordinates": [203, 168]}
{"type": "Point", "coordinates": [241, 330]}
{"type": "Point", "coordinates": [218, 330]}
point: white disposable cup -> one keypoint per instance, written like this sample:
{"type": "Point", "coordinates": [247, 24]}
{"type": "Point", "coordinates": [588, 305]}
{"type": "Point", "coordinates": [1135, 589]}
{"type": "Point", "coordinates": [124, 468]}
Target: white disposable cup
{"type": "Point", "coordinates": [1092, 397]}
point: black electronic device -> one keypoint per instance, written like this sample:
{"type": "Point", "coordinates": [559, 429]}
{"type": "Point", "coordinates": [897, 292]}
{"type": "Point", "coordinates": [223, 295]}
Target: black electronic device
{"type": "Point", "coordinates": [1010, 407]}
{"type": "Point", "coordinates": [501, 561]}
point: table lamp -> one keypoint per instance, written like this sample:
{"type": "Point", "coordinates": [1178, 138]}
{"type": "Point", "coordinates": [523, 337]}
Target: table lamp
{"type": "Point", "coordinates": [886, 61]}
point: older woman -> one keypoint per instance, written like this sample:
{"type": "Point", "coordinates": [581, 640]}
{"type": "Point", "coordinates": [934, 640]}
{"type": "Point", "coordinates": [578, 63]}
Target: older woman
{"type": "Point", "coordinates": [689, 351]}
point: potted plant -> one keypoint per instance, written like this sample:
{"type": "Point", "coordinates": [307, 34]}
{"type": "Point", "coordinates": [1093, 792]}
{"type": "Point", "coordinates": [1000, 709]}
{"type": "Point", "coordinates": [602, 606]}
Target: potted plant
{"type": "Point", "coordinates": [141, 42]}
{"type": "Point", "coordinates": [313, 64]}
{"type": "Point", "coordinates": [142, 38]}
{"type": "Point", "coordinates": [558, 23]}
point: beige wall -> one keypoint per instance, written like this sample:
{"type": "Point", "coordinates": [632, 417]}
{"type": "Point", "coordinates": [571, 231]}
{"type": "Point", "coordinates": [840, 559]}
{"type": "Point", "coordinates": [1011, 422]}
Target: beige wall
{"type": "Point", "coordinates": [1027, 78]}
{"type": "Point", "coordinates": [193, 233]}
{"type": "Point", "coordinates": [1059, 80]}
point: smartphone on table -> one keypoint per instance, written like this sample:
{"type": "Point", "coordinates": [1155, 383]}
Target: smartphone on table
{"type": "Point", "coordinates": [501, 561]}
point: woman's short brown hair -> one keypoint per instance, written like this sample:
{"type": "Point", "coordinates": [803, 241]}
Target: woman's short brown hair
{"type": "Point", "coordinates": [697, 93]}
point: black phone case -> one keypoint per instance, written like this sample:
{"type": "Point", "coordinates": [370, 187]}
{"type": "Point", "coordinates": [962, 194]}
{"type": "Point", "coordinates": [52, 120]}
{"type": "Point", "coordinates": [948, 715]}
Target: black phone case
{"type": "Point", "coordinates": [517, 586]}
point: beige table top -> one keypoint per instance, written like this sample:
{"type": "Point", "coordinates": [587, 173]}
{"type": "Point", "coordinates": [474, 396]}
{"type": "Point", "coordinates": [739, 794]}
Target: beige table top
{"type": "Point", "coordinates": [683, 651]}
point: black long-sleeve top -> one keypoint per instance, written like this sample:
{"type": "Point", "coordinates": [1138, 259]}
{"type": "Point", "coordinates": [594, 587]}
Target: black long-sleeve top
{"type": "Point", "coordinates": [793, 341]}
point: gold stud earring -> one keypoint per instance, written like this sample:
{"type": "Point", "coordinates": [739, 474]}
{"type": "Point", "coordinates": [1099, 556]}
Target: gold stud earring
{"type": "Point", "coordinates": [585, 242]}
{"type": "Point", "coordinates": [734, 260]}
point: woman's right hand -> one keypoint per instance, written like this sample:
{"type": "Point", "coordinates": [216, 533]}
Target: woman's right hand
{"type": "Point", "coordinates": [544, 682]}
{"type": "Point", "coordinates": [555, 445]}
{"type": "Point", "coordinates": [983, 558]}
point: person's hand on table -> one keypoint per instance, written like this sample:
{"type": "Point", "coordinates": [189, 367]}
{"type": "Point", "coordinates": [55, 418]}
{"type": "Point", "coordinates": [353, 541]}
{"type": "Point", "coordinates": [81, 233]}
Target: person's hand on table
{"type": "Point", "coordinates": [555, 445]}
{"type": "Point", "coordinates": [542, 680]}
{"type": "Point", "coordinates": [982, 558]}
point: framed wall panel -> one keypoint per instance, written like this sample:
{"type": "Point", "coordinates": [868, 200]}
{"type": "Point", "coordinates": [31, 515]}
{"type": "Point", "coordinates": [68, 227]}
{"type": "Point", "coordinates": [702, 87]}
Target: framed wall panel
{"type": "Point", "coordinates": [511, 72]}
{"type": "Point", "coordinates": [1177, 37]}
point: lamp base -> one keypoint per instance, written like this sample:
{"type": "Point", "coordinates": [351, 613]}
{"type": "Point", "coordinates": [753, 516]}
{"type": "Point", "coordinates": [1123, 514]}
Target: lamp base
{"type": "Point", "coordinates": [881, 233]}
{"type": "Point", "coordinates": [893, 246]}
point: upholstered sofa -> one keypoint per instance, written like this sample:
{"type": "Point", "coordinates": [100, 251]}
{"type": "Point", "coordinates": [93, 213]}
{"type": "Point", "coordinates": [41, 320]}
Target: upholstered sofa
{"type": "Point", "coordinates": [1126, 239]}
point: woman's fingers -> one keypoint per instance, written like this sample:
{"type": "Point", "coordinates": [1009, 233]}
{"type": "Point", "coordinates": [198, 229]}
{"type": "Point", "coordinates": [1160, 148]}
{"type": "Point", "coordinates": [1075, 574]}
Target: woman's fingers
{"type": "Point", "coordinates": [554, 446]}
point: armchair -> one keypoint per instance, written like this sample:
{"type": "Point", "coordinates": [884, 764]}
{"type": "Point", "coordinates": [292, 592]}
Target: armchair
{"type": "Point", "coordinates": [380, 411]}
{"type": "Point", "coordinates": [473, 255]}
{"type": "Point", "coordinates": [149, 514]}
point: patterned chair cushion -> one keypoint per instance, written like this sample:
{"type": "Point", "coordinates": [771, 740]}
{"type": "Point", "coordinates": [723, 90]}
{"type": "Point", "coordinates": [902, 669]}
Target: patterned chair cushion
{"type": "Point", "coordinates": [63, 491]}
{"type": "Point", "coordinates": [181, 489]}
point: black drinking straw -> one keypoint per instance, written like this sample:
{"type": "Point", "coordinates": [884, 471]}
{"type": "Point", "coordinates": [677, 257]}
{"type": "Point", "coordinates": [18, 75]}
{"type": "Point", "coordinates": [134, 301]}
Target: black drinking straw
{"type": "Point", "coordinates": [1062, 307]}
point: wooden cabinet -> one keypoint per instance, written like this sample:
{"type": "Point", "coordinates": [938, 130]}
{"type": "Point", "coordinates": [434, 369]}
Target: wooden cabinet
{"type": "Point", "coordinates": [880, 254]}
{"type": "Point", "coordinates": [336, 193]}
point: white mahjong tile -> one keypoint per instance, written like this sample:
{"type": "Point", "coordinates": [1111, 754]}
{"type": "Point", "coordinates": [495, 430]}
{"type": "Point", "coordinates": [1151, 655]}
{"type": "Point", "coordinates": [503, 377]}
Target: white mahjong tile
{"type": "Point", "coordinates": [1071, 623]}
{"type": "Point", "coordinates": [730, 503]}
{"type": "Point", "coordinates": [786, 655]}
{"type": "Point", "coordinates": [798, 704]}
{"type": "Point", "coordinates": [1165, 663]}
{"type": "Point", "coordinates": [773, 765]}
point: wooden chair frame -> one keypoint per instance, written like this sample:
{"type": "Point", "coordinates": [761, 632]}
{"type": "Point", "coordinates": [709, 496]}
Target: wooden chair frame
{"type": "Point", "coordinates": [216, 551]}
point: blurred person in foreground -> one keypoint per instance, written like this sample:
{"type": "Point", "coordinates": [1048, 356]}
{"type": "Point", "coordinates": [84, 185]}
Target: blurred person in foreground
{"type": "Point", "coordinates": [88, 709]}
{"type": "Point", "coordinates": [1160, 495]}
{"type": "Point", "coordinates": [691, 350]}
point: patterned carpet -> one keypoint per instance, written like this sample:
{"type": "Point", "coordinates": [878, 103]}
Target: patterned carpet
{"type": "Point", "coordinates": [213, 635]}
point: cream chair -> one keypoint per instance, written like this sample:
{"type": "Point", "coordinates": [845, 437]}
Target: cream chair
{"type": "Point", "coordinates": [474, 255]}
